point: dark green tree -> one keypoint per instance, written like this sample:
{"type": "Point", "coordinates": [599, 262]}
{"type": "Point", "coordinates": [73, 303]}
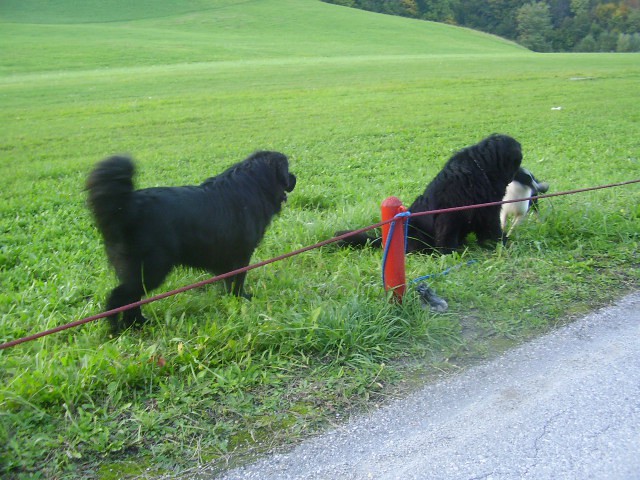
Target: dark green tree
{"type": "Point", "coordinates": [607, 41]}
{"type": "Point", "coordinates": [437, 10]}
{"type": "Point", "coordinates": [587, 44]}
{"type": "Point", "coordinates": [542, 25]}
{"type": "Point", "coordinates": [534, 26]}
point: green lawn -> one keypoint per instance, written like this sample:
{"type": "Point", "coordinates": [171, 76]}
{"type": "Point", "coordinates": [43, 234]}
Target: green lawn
{"type": "Point", "coordinates": [365, 106]}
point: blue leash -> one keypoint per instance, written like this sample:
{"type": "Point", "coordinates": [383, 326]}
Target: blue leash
{"type": "Point", "coordinates": [387, 244]}
{"type": "Point", "coordinates": [445, 272]}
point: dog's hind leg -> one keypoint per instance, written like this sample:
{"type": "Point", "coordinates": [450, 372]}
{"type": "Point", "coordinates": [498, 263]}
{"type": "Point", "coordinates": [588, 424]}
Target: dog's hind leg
{"type": "Point", "coordinates": [235, 285]}
{"type": "Point", "coordinates": [135, 282]}
{"type": "Point", "coordinates": [448, 233]}
{"type": "Point", "coordinates": [125, 294]}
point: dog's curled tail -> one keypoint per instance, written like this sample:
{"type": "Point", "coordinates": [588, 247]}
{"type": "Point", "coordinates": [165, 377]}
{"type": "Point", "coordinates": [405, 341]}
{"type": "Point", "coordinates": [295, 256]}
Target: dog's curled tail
{"type": "Point", "coordinates": [110, 185]}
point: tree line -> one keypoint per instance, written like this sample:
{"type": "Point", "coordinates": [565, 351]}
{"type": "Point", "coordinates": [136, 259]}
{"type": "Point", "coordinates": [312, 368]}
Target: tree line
{"type": "Point", "coordinates": [542, 26]}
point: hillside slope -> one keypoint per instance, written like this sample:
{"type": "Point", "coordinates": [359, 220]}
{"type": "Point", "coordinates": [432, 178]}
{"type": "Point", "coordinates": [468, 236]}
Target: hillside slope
{"type": "Point", "coordinates": [47, 36]}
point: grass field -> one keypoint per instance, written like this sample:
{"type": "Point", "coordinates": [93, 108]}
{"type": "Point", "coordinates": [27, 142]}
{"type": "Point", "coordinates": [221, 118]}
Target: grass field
{"type": "Point", "coordinates": [365, 106]}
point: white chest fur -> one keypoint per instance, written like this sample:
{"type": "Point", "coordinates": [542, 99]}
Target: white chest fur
{"type": "Point", "coordinates": [516, 210]}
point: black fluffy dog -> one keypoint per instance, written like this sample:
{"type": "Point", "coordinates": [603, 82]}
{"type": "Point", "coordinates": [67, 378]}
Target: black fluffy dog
{"type": "Point", "coordinates": [214, 226]}
{"type": "Point", "coordinates": [477, 174]}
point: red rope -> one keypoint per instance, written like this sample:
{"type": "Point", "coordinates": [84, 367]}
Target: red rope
{"type": "Point", "coordinates": [287, 255]}
{"type": "Point", "coordinates": [502, 202]}
{"type": "Point", "coordinates": [182, 289]}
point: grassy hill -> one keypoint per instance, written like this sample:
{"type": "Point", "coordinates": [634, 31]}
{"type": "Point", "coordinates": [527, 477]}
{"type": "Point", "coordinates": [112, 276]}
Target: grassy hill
{"type": "Point", "coordinates": [365, 106]}
{"type": "Point", "coordinates": [38, 35]}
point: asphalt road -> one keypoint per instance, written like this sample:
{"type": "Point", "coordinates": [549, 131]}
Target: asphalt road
{"type": "Point", "coordinates": [565, 406]}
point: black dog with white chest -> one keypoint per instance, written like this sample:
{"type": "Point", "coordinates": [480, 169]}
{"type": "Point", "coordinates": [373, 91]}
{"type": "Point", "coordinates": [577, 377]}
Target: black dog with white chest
{"type": "Point", "coordinates": [475, 175]}
{"type": "Point", "coordinates": [215, 226]}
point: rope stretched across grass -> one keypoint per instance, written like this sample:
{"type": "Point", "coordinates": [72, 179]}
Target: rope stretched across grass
{"type": "Point", "coordinates": [284, 256]}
